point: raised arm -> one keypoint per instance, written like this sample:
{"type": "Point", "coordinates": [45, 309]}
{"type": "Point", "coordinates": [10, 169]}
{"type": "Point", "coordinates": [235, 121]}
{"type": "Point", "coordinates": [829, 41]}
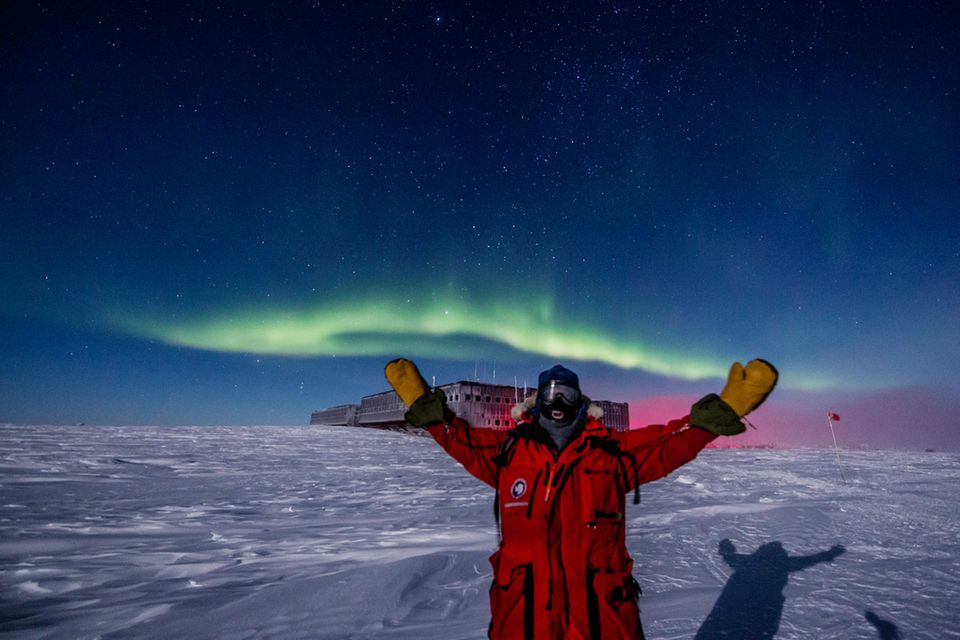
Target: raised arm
{"type": "Point", "coordinates": [655, 451]}
{"type": "Point", "coordinates": [800, 563]}
{"type": "Point", "coordinates": [729, 554]}
{"type": "Point", "coordinates": [474, 448]}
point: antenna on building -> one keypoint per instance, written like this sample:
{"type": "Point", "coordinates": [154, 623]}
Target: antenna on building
{"type": "Point", "coordinates": [494, 370]}
{"type": "Point", "coordinates": [434, 383]}
{"type": "Point", "coordinates": [476, 365]}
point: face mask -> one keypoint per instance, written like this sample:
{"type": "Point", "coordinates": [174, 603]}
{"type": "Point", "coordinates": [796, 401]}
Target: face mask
{"type": "Point", "coordinates": [559, 402]}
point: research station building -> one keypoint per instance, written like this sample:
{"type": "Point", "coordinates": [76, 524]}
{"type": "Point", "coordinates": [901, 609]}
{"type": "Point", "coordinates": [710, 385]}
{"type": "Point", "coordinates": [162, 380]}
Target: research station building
{"type": "Point", "coordinates": [479, 404]}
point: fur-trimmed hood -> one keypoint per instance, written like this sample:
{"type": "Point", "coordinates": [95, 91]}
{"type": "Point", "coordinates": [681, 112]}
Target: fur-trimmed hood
{"type": "Point", "coordinates": [522, 412]}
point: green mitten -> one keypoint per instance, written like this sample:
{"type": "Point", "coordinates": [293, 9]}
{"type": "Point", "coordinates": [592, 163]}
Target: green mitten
{"type": "Point", "coordinates": [714, 415]}
{"type": "Point", "coordinates": [430, 408]}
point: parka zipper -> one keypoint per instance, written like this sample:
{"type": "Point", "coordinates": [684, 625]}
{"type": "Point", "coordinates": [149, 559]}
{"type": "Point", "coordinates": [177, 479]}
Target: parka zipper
{"type": "Point", "coordinates": [553, 480]}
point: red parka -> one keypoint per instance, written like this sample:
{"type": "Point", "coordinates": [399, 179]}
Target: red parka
{"type": "Point", "coordinates": [562, 570]}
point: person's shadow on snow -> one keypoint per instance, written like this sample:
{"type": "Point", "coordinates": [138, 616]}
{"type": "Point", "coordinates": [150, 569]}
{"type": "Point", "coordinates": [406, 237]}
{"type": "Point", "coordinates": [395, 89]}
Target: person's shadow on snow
{"type": "Point", "coordinates": [751, 603]}
{"type": "Point", "coordinates": [886, 629]}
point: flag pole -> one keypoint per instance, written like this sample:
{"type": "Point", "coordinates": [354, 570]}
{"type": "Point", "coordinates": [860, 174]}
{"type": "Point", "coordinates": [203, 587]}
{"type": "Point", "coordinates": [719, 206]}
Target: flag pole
{"type": "Point", "coordinates": [835, 447]}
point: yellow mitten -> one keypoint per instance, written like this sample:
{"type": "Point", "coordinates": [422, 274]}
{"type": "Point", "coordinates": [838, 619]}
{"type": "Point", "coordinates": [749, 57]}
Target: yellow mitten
{"type": "Point", "coordinates": [747, 387]}
{"type": "Point", "coordinates": [406, 380]}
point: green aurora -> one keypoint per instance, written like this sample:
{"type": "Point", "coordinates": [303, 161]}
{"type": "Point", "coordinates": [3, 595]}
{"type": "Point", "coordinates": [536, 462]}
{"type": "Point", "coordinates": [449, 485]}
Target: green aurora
{"type": "Point", "coordinates": [439, 330]}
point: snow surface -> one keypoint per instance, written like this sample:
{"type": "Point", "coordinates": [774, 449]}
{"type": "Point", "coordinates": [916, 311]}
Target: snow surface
{"type": "Point", "coordinates": [333, 532]}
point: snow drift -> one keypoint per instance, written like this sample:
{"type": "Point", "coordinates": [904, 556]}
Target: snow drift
{"type": "Point", "coordinates": [330, 532]}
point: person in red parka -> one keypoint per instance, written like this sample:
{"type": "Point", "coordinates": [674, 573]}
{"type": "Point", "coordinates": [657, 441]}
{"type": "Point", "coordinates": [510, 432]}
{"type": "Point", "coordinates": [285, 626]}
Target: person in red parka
{"type": "Point", "coordinates": [560, 476]}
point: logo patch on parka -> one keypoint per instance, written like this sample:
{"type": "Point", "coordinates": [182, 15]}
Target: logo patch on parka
{"type": "Point", "coordinates": [518, 488]}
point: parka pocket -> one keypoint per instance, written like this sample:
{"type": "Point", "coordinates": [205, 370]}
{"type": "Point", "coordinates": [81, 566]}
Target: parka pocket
{"type": "Point", "coordinates": [511, 598]}
{"type": "Point", "coordinates": [602, 492]}
{"type": "Point", "coordinates": [602, 512]}
{"type": "Point", "coordinates": [612, 610]}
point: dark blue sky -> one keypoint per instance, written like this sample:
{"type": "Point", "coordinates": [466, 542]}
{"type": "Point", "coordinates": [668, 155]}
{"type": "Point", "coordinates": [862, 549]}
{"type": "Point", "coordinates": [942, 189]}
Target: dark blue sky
{"type": "Point", "coordinates": [238, 214]}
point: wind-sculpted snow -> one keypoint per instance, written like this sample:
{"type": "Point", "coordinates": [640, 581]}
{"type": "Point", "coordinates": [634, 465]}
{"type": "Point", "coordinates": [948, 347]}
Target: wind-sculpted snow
{"type": "Point", "coordinates": [328, 532]}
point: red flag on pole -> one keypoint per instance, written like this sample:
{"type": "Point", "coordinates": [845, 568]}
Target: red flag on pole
{"type": "Point", "coordinates": [831, 418]}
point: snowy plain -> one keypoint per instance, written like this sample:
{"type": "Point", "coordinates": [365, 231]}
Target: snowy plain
{"type": "Point", "coordinates": [335, 532]}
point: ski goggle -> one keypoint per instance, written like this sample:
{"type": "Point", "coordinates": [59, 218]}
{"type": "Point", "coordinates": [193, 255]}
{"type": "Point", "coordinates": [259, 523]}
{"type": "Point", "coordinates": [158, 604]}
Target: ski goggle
{"type": "Point", "coordinates": [554, 391]}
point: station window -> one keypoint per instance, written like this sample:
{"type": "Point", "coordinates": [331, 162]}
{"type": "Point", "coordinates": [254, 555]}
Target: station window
{"type": "Point", "coordinates": [497, 421]}
{"type": "Point", "coordinates": [488, 398]}
{"type": "Point", "coordinates": [466, 396]}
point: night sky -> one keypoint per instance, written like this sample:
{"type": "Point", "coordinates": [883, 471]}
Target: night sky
{"type": "Point", "coordinates": [237, 213]}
